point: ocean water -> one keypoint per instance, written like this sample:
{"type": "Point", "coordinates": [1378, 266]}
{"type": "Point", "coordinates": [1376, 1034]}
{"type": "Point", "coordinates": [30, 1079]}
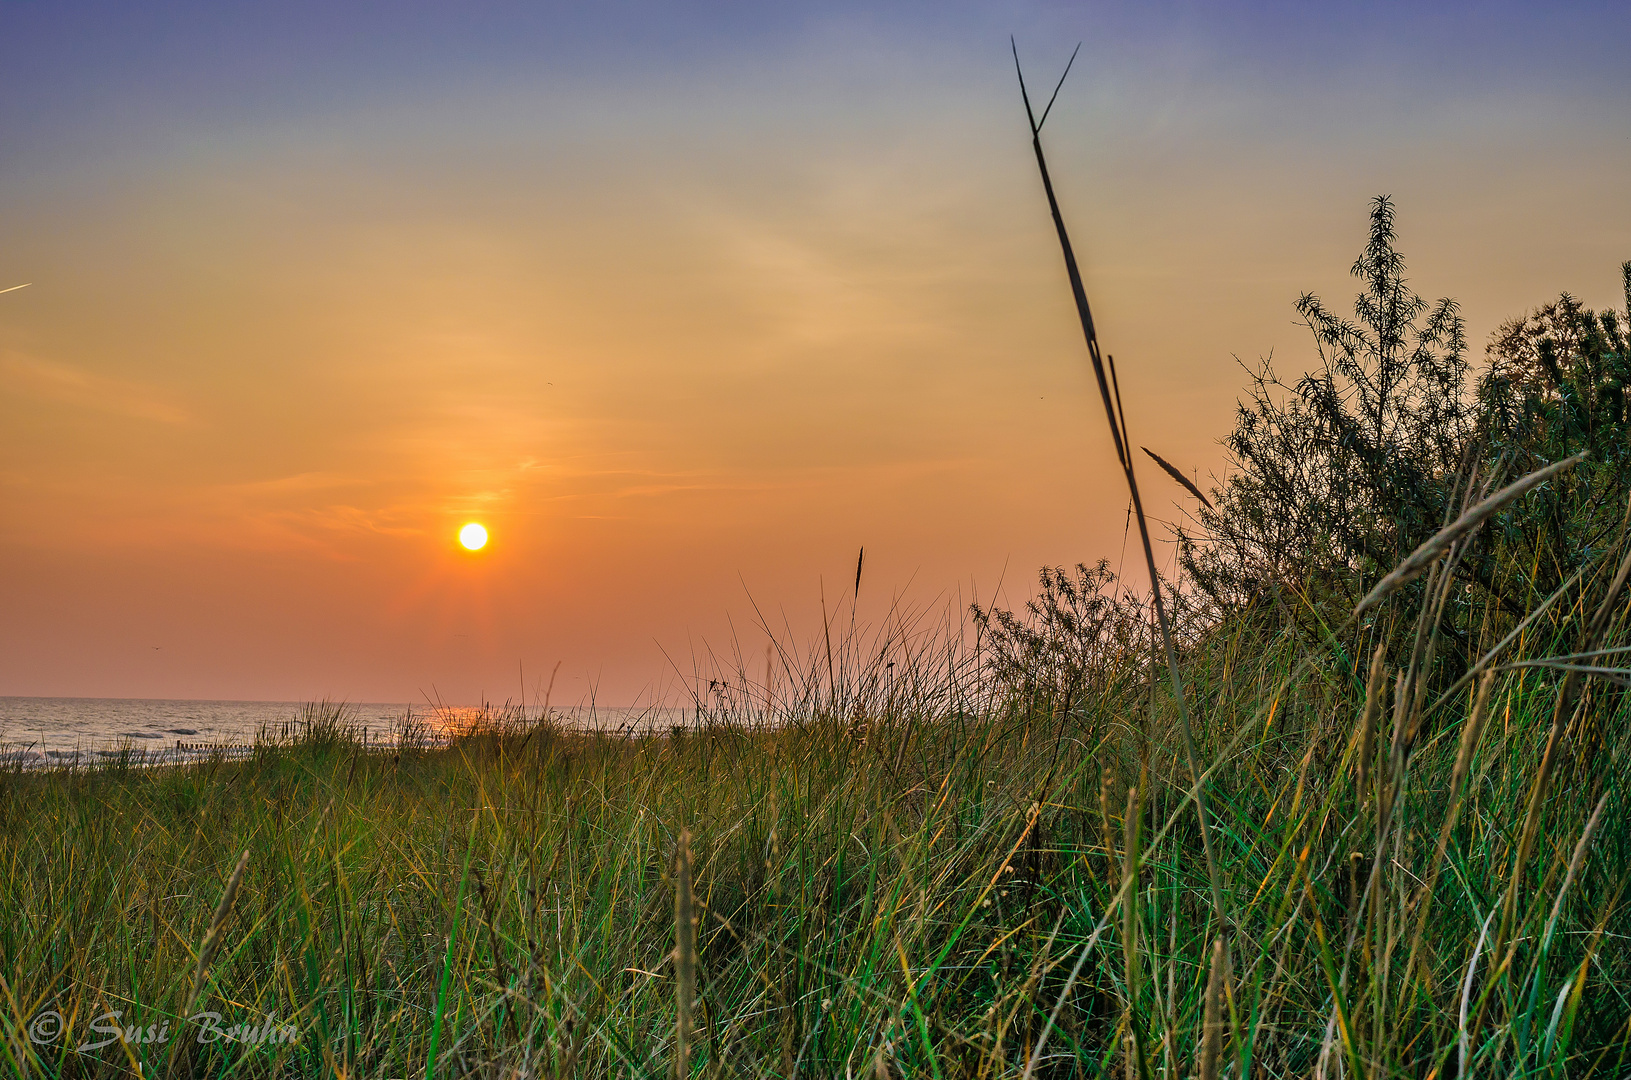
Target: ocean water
{"type": "Point", "coordinates": [46, 731]}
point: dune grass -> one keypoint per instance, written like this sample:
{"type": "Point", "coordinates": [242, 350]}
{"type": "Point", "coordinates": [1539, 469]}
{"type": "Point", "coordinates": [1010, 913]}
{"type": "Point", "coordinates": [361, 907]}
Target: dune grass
{"type": "Point", "coordinates": [909, 871]}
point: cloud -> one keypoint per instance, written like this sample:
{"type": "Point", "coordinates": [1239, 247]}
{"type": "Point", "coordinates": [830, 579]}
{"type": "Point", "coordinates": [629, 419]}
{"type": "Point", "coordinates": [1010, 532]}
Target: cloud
{"type": "Point", "coordinates": [82, 389]}
{"type": "Point", "coordinates": [298, 483]}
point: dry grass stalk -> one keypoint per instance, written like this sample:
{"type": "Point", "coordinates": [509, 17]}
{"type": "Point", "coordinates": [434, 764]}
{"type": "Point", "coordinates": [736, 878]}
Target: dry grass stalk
{"type": "Point", "coordinates": [1471, 734]}
{"type": "Point", "coordinates": [1424, 556]}
{"type": "Point", "coordinates": [1129, 929]}
{"type": "Point", "coordinates": [1375, 691]}
{"type": "Point", "coordinates": [212, 936]}
{"type": "Point", "coordinates": [1129, 901]}
{"type": "Point", "coordinates": [1393, 764]}
{"type": "Point", "coordinates": [1105, 782]}
{"type": "Point", "coordinates": [1576, 861]}
{"type": "Point", "coordinates": [1212, 1028]}
{"type": "Point", "coordinates": [1172, 471]}
{"type": "Point", "coordinates": [685, 955]}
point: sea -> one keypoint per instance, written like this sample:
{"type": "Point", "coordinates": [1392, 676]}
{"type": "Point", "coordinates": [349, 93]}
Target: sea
{"type": "Point", "coordinates": [45, 731]}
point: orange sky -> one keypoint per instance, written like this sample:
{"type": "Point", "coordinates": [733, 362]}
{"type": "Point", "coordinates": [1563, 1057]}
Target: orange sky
{"type": "Point", "coordinates": [679, 336]}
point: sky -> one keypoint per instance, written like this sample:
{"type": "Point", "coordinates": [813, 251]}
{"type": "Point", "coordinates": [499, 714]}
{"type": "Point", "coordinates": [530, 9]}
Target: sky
{"type": "Point", "coordinates": [688, 303]}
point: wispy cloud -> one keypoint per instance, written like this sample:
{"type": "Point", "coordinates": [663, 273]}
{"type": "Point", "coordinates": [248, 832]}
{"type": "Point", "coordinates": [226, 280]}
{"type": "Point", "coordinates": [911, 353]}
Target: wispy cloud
{"type": "Point", "coordinates": [297, 483]}
{"type": "Point", "coordinates": [74, 386]}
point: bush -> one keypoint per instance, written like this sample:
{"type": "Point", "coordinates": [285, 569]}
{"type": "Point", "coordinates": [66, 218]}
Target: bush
{"type": "Point", "coordinates": [1334, 478]}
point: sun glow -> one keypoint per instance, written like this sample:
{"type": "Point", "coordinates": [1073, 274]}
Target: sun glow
{"type": "Point", "coordinates": [473, 536]}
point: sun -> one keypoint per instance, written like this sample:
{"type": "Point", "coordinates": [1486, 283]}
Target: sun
{"type": "Point", "coordinates": [473, 536]}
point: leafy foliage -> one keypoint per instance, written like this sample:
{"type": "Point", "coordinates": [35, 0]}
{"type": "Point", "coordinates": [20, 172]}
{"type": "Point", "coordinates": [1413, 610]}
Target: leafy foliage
{"type": "Point", "coordinates": [1555, 386]}
{"type": "Point", "coordinates": [1335, 477]}
{"type": "Point", "coordinates": [1075, 628]}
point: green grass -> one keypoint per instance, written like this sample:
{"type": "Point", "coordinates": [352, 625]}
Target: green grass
{"type": "Point", "coordinates": [899, 874]}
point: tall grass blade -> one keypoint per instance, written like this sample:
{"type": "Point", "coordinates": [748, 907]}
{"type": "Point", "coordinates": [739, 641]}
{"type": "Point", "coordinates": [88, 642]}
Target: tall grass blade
{"type": "Point", "coordinates": [1424, 556]}
{"type": "Point", "coordinates": [1375, 692]}
{"type": "Point", "coordinates": [685, 955]}
{"type": "Point", "coordinates": [1463, 1036]}
{"type": "Point", "coordinates": [1576, 861]}
{"type": "Point", "coordinates": [440, 1017]}
{"type": "Point", "coordinates": [1117, 422]}
{"type": "Point", "coordinates": [212, 936]}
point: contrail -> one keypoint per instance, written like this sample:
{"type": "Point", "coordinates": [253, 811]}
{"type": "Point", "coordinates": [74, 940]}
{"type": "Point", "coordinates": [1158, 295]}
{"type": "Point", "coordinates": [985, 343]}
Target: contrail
{"type": "Point", "coordinates": [14, 288]}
